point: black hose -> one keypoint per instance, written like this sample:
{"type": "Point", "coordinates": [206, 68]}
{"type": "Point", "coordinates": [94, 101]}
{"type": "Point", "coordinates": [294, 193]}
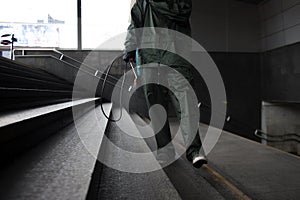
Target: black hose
{"type": "Point", "coordinates": [121, 91]}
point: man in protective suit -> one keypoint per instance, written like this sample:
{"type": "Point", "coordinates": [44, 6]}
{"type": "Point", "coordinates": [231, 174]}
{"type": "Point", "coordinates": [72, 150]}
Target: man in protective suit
{"type": "Point", "coordinates": [174, 15]}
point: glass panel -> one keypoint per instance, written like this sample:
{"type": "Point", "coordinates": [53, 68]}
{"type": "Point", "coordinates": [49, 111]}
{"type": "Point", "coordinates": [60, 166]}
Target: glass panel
{"type": "Point", "coordinates": [40, 23]}
{"type": "Point", "coordinates": [102, 20]}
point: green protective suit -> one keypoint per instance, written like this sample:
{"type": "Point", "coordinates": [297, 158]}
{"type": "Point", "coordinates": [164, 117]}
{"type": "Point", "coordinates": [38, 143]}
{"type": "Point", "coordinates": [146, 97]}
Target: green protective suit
{"type": "Point", "coordinates": [170, 14]}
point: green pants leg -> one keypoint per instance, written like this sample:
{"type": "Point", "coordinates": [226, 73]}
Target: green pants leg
{"type": "Point", "coordinates": [185, 111]}
{"type": "Point", "coordinates": [156, 94]}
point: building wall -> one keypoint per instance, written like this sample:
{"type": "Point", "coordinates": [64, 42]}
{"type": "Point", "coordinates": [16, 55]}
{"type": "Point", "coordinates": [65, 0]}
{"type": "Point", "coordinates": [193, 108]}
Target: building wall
{"type": "Point", "coordinates": [241, 74]}
{"type": "Point", "coordinates": [280, 23]}
{"type": "Point", "coordinates": [280, 36]}
{"type": "Point", "coordinates": [229, 30]}
{"type": "Point", "coordinates": [226, 26]}
{"type": "Point", "coordinates": [281, 74]}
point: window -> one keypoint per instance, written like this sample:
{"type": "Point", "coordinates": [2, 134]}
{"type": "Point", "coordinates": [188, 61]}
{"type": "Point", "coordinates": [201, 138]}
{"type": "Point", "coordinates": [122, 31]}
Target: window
{"type": "Point", "coordinates": [102, 20]}
{"type": "Point", "coordinates": [54, 23]}
{"type": "Point", "coordinates": [41, 23]}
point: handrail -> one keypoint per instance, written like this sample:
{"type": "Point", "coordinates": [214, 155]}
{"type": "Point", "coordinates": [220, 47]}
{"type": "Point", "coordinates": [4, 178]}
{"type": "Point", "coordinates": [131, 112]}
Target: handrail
{"type": "Point", "coordinates": [62, 55]}
{"type": "Point", "coordinates": [95, 74]}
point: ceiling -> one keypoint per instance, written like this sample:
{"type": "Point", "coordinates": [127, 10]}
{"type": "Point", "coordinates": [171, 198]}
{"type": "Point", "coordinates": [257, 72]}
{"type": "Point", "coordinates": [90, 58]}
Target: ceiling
{"type": "Point", "coordinates": [252, 1]}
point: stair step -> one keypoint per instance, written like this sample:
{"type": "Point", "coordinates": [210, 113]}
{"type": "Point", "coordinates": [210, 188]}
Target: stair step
{"type": "Point", "coordinates": [62, 69]}
{"type": "Point", "coordinates": [23, 67]}
{"type": "Point", "coordinates": [57, 54]}
{"type": "Point", "coordinates": [19, 116]}
{"type": "Point", "coordinates": [59, 167]}
{"type": "Point", "coordinates": [26, 82]}
{"type": "Point", "coordinates": [20, 129]}
{"type": "Point", "coordinates": [8, 92]}
{"type": "Point", "coordinates": [28, 74]}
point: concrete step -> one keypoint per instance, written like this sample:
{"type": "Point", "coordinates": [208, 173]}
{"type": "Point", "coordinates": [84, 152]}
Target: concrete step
{"type": "Point", "coordinates": [57, 54]}
{"type": "Point", "coordinates": [92, 69]}
{"type": "Point", "coordinates": [13, 104]}
{"type": "Point", "coordinates": [28, 74]}
{"type": "Point", "coordinates": [12, 92]}
{"type": "Point", "coordinates": [23, 87]}
{"type": "Point", "coordinates": [21, 129]}
{"type": "Point", "coordinates": [61, 69]}
{"type": "Point", "coordinates": [69, 73]}
{"type": "Point", "coordinates": [8, 80]}
{"type": "Point", "coordinates": [237, 168]}
{"type": "Point", "coordinates": [26, 69]}
{"type": "Point", "coordinates": [59, 167]}
{"type": "Point", "coordinates": [20, 98]}
{"type": "Point", "coordinates": [176, 182]}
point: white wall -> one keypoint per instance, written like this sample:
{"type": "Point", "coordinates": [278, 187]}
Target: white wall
{"type": "Point", "coordinates": [280, 21]}
{"type": "Point", "coordinates": [226, 25]}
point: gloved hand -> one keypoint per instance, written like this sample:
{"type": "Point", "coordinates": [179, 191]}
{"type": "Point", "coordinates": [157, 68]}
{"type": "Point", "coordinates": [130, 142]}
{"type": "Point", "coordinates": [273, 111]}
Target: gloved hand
{"type": "Point", "coordinates": [129, 56]}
